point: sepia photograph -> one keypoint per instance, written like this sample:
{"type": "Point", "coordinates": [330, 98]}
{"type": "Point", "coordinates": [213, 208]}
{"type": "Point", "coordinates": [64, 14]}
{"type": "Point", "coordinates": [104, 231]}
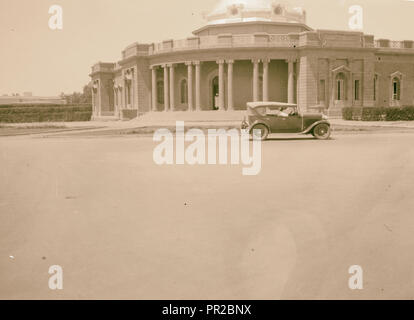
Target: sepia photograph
{"type": "Point", "coordinates": [200, 150]}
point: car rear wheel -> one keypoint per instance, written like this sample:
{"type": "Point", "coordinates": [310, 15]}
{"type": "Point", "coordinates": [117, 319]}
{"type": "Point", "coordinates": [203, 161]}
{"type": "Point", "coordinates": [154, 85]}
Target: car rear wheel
{"type": "Point", "coordinates": [322, 131]}
{"type": "Point", "coordinates": [262, 135]}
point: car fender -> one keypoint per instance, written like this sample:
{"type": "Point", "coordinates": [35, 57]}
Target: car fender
{"type": "Point", "coordinates": [258, 122]}
{"type": "Point", "coordinates": [313, 125]}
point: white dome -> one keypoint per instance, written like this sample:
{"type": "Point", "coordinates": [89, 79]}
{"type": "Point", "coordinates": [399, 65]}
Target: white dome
{"type": "Point", "coordinates": [231, 11]}
{"type": "Point", "coordinates": [247, 4]}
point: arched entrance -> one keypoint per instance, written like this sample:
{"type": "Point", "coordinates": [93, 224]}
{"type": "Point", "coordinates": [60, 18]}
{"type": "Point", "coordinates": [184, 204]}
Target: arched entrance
{"type": "Point", "coordinates": [215, 93]}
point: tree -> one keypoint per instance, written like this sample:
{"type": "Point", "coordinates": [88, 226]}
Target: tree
{"type": "Point", "coordinates": [87, 94]}
{"type": "Point", "coordinates": [77, 97]}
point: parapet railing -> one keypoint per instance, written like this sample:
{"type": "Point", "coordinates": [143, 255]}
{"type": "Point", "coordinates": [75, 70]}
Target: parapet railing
{"type": "Point", "coordinates": [103, 67]}
{"type": "Point", "coordinates": [226, 41]}
{"type": "Point", "coordinates": [276, 41]}
{"type": "Point", "coordinates": [385, 43]}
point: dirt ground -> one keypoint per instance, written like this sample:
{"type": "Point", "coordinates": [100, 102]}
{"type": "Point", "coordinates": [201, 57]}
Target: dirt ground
{"type": "Point", "coordinates": [123, 227]}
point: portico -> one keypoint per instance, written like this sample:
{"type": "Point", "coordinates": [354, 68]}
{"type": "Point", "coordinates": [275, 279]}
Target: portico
{"type": "Point", "coordinates": [181, 97]}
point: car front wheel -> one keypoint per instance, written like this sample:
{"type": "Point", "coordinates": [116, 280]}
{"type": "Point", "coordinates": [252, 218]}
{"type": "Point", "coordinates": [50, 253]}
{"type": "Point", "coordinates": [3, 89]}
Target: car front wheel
{"type": "Point", "coordinates": [261, 131]}
{"type": "Point", "coordinates": [322, 131]}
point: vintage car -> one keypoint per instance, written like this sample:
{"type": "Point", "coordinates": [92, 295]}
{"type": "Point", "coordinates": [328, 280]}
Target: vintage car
{"type": "Point", "coordinates": [278, 117]}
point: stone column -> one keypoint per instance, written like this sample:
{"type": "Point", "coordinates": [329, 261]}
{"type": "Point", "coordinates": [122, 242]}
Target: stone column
{"type": "Point", "coordinates": [115, 93]}
{"type": "Point", "coordinates": [99, 99]}
{"type": "Point", "coordinates": [367, 87]}
{"type": "Point", "coordinates": [117, 104]}
{"type": "Point", "coordinates": [221, 84]}
{"type": "Point", "coordinates": [166, 86]}
{"type": "Point", "coordinates": [172, 87]}
{"type": "Point", "coordinates": [291, 83]}
{"type": "Point", "coordinates": [255, 79]}
{"type": "Point", "coordinates": [190, 85]}
{"type": "Point", "coordinates": [266, 79]}
{"type": "Point", "coordinates": [154, 88]}
{"type": "Point", "coordinates": [331, 84]}
{"type": "Point", "coordinates": [121, 94]}
{"type": "Point", "coordinates": [230, 103]}
{"type": "Point", "coordinates": [198, 84]}
{"type": "Point", "coordinates": [134, 100]}
{"type": "Point", "coordinates": [93, 99]}
{"type": "Point", "coordinates": [125, 94]}
{"type": "Point", "coordinates": [349, 92]}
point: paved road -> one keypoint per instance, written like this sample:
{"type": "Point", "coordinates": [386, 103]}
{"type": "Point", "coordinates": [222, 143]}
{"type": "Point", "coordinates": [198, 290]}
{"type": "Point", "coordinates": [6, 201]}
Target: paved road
{"type": "Point", "coordinates": [123, 227]}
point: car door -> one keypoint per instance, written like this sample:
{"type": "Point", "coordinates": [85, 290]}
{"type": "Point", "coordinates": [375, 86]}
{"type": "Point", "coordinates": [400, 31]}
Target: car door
{"type": "Point", "coordinates": [279, 124]}
{"type": "Point", "coordinates": [293, 124]}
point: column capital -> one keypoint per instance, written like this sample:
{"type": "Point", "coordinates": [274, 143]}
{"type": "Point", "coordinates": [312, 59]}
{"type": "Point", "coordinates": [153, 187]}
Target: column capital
{"type": "Point", "coordinates": [221, 61]}
{"type": "Point", "coordinates": [266, 60]}
{"type": "Point", "coordinates": [154, 67]}
{"type": "Point", "coordinates": [196, 63]}
{"type": "Point", "coordinates": [290, 60]}
{"type": "Point", "coordinates": [171, 65]}
{"type": "Point", "coordinates": [230, 61]}
{"type": "Point", "coordinates": [188, 63]}
{"type": "Point", "coordinates": [255, 60]}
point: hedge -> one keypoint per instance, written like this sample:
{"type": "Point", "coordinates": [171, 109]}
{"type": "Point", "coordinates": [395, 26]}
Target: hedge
{"type": "Point", "coordinates": [44, 113]}
{"type": "Point", "coordinates": [378, 113]}
{"type": "Point", "coordinates": [128, 114]}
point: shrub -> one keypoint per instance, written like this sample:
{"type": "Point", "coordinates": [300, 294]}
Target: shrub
{"type": "Point", "coordinates": [352, 113]}
{"type": "Point", "coordinates": [44, 113]}
{"type": "Point", "coordinates": [379, 113]}
{"type": "Point", "coordinates": [357, 113]}
{"type": "Point", "coordinates": [347, 113]}
{"type": "Point", "coordinates": [128, 114]}
{"type": "Point", "coordinates": [373, 114]}
{"type": "Point", "coordinates": [400, 114]}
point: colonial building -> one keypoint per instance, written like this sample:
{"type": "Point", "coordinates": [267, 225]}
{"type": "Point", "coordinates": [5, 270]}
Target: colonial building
{"type": "Point", "coordinates": [256, 53]}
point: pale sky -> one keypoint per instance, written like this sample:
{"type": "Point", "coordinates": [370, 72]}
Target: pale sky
{"type": "Point", "coordinates": [45, 62]}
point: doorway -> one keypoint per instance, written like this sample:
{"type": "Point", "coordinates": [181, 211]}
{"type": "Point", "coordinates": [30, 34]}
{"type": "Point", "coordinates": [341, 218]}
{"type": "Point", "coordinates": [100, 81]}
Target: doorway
{"type": "Point", "coordinates": [215, 93]}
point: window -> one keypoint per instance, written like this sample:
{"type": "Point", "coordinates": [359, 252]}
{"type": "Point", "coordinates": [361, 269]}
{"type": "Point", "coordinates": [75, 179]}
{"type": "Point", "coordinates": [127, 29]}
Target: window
{"type": "Point", "coordinates": [116, 97]}
{"type": "Point", "coordinates": [278, 10]}
{"type": "Point", "coordinates": [184, 92]}
{"type": "Point", "coordinates": [321, 91]}
{"type": "Point", "coordinates": [234, 10]}
{"type": "Point", "coordinates": [340, 86]}
{"type": "Point", "coordinates": [396, 90]}
{"type": "Point", "coordinates": [375, 88]}
{"type": "Point", "coordinates": [357, 90]}
{"type": "Point", "coordinates": [160, 92]}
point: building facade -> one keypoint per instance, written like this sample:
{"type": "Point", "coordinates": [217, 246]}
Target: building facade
{"type": "Point", "coordinates": [249, 53]}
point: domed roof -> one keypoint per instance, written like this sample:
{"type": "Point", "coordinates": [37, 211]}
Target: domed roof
{"type": "Point", "coordinates": [230, 11]}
